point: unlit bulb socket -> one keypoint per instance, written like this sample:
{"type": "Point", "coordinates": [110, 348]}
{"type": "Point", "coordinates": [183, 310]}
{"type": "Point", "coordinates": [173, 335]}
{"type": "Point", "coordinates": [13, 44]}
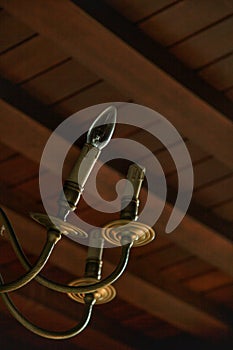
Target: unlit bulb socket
{"type": "Point", "coordinates": [130, 212]}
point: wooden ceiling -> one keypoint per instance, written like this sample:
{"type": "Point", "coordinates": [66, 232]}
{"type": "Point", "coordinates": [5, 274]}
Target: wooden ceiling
{"type": "Point", "coordinates": [58, 57]}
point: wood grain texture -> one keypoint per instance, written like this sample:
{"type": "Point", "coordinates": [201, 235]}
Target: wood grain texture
{"type": "Point", "coordinates": [30, 59]}
{"type": "Point", "coordinates": [100, 92]}
{"type": "Point", "coordinates": [185, 269]}
{"type": "Point", "coordinates": [133, 9]}
{"type": "Point", "coordinates": [62, 81]}
{"type": "Point", "coordinates": [219, 74]}
{"type": "Point", "coordinates": [225, 210]}
{"type": "Point", "coordinates": [180, 282]}
{"type": "Point", "coordinates": [184, 19]}
{"type": "Point", "coordinates": [207, 46]}
{"type": "Point", "coordinates": [6, 152]}
{"type": "Point", "coordinates": [205, 172]}
{"type": "Point", "coordinates": [130, 72]}
{"type": "Point", "coordinates": [208, 281]}
{"type": "Point", "coordinates": [191, 234]}
{"type": "Point", "coordinates": [215, 193]}
{"type": "Point", "coordinates": [159, 260]}
{"type": "Point", "coordinates": [222, 294]}
{"type": "Point", "coordinates": [17, 170]}
{"type": "Point", "coordinates": [15, 29]}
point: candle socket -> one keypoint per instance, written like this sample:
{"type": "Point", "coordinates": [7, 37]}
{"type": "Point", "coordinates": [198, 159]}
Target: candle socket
{"type": "Point", "coordinates": [94, 261]}
{"type": "Point", "coordinates": [135, 175]}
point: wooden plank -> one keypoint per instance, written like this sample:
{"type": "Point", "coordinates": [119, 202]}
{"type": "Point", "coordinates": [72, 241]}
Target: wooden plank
{"type": "Point", "coordinates": [185, 19]}
{"type": "Point", "coordinates": [219, 74]}
{"type": "Point", "coordinates": [12, 31]}
{"type": "Point", "coordinates": [215, 193]}
{"type": "Point", "coordinates": [208, 281]}
{"type": "Point", "coordinates": [134, 10]}
{"type": "Point", "coordinates": [191, 234]}
{"type": "Point", "coordinates": [203, 320]}
{"type": "Point", "coordinates": [6, 152]}
{"type": "Point", "coordinates": [205, 172]}
{"type": "Point", "coordinates": [30, 188]}
{"type": "Point", "coordinates": [154, 328]}
{"type": "Point", "coordinates": [98, 93]}
{"type": "Point", "coordinates": [225, 210]}
{"type": "Point", "coordinates": [134, 319]}
{"type": "Point", "coordinates": [144, 82]}
{"type": "Point", "coordinates": [28, 136]}
{"type": "Point", "coordinates": [150, 293]}
{"type": "Point", "coordinates": [222, 295]}
{"type": "Point", "coordinates": [185, 269]}
{"type": "Point", "coordinates": [207, 46]}
{"type": "Point", "coordinates": [167, 163]}
{"type": "Point", "coordinates": [30, 59]}
{"type": "Point", "coordinates": [164, 331]}
{"type": "Point", "coordinates": [19, 201]}
{"type": "Point", "coordinates": [196, 153]}
{"type": "Point", "coordinates": [62, 81]}
{"type": "Point", "coordinates": [158, 260]}
{"type": "Point", "coordinates": [17, 169]}
{"type": "Point", "coordinates": [146, 46]}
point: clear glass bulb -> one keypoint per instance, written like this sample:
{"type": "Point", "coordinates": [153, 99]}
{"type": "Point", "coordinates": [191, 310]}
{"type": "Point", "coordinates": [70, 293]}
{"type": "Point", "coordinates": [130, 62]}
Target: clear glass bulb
{"type": "Point", "coordinates": [101, 130]}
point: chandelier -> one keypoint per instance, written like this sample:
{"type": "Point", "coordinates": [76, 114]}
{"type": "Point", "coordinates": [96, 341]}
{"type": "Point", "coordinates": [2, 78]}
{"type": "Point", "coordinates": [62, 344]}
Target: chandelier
{"type": "Point", "coordinates": [126, 232]}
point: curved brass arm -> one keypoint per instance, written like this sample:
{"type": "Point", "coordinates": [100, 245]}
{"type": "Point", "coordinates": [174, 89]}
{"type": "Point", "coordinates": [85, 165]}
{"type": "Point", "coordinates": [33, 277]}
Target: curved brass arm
{"type": "Point", "coordinates": [52, 239]}
{"type": "Point", "coordinates": [89, 302]}
{"type": "Point", "coordinates": [64, 288]}
{"type": "Point", "coordinates": [92, 287]}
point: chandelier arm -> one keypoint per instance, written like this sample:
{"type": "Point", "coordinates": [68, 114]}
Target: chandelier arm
{"type": "Point", "coordinates": [100, 284]}
{"type": "Point", "coordinates": [65, 288]}
{"type": "Point", "coordinates": [15, 242]}
{"type": "Point", "coordinates": [21, 281]}
{"type": "Point", "coordinates": [86, 315]}
{"type": "Point", "coordinates": [52, 239]}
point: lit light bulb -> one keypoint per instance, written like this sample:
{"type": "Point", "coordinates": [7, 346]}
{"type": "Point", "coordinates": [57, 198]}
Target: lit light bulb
{"type": "Point", "coordinates": [101, 130]}
{"type": "Point", "coordinates": [98, 137]}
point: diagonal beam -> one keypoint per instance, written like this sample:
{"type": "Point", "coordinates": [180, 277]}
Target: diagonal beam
{"type": "Point", "coordinates": [196, 315]}
{"type": "Point", "coordinates": [28, 105]}
{"type": "Point", "coordinates": [121, 65]}
{"type": "Point", "coordinates": [29, 137]}
{"type": "Point", "coordinates": [155, 53]}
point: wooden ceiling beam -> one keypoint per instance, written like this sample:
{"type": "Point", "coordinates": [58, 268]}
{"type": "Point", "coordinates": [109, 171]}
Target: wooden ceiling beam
{"type": "Point", "coordinates": [133, 36]}
{"type": "Point", "coordinates": [28, 105]}
{"type": "Point", "coordinates": [28, 137]}
{"type": "Point", "coordinates": [196, 315]}
{"type": "Point", "coordinates": [128, 70]}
